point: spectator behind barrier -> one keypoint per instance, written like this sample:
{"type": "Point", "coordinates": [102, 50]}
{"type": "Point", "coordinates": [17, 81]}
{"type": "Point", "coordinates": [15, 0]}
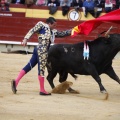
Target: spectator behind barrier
{"type": "Point", "coordinates": [65, 4]}
{"type": "Point", "coordinates": [114, 2]}
{"type": "Point", "coordinates": [117, 4]}
{"type": "Point", "coordinates": [53, 3]}
{"type": "Point", "coordinates": [41, 2]}
{"type": "Point", "coordinates": [77, 4]}
{"type": "Point", "coordinates": [89, 6]}
{"type": "Point", "coordinates": [99, 7]}
{"type": "Point", "coordinates": [4, 5]}
{"type": "Point", "coordinates": [18, 1]}
{"type": "Point", "coordinates": [108, 6]}
{"type": "Point", "coordinates": [29, 3]}
{"type": "Point", "coordinates": [53, 6]}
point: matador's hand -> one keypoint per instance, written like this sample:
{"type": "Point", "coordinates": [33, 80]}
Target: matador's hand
{"type": "Point", "coordinates": [24, 42]}
{"type": "Point", "coordinates": [69, 31]}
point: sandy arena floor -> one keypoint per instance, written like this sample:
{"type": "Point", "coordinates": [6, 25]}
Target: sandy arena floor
{"type": "Point", "coordinates": [27, 104]}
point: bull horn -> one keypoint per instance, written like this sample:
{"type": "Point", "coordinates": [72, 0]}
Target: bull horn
{"type": "Point", "coordinates": [107, 33]}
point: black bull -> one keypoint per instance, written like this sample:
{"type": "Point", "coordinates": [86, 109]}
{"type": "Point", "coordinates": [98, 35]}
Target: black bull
{"type": "Point", "coordinates": [68, 58]}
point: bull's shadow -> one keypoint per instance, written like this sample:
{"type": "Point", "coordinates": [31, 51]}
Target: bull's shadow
{"type": "Point", "coordinates": [68, 58]}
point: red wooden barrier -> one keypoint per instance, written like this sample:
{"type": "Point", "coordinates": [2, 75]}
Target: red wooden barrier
{"type": "Point", "coordinates": [14, 29]}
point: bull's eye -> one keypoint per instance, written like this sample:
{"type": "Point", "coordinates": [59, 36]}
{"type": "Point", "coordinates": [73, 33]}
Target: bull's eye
{"type": "Point", "coordinates": [72, 49]}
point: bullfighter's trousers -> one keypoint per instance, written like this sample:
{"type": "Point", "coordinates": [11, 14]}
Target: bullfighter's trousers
{"type": "Point", "coordinates": [39, 58]}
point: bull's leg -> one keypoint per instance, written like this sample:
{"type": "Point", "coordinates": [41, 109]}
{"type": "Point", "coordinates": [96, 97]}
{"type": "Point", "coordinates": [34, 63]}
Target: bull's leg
{"type": "Point", "coordinates": [50, 77]}
{"type": "Point", "coordinates": [98, 80]}
{"type": "Point", "coordinates": [73, 75]}
{"type": "Point", "coordinates": [62, 77]}
{"type": "Point", "coordinates": [111, 73]}
{"type": "Point", "coordinates": [93, 72]}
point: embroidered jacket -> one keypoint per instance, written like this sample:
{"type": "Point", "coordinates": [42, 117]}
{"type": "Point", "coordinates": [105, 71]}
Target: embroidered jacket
{"type": "Point", "coordinates": [44, 32]}
{"type": "Point", "coordinates": [45, 37]}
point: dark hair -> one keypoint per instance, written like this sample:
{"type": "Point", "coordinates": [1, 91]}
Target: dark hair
{"type": "Point", "coordinates": [50, 20]}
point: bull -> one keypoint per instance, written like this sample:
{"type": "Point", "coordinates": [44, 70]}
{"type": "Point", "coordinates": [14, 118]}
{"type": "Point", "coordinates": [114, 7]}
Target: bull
{"type": "Point", "coordinates": [68, 58]}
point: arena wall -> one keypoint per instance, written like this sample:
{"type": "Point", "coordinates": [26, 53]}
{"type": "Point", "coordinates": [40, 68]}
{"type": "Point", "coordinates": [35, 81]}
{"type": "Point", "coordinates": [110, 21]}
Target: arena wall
{"type": "Point", "coordinates": [16, 23]}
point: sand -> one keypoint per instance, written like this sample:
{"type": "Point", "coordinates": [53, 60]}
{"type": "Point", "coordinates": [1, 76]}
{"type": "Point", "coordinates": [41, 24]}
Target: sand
{"type": "Point", "coordinates": [27, 104]}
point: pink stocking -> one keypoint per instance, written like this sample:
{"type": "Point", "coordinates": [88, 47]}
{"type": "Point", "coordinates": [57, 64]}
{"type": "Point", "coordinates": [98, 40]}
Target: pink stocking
{"type": "Point", "coordinates": [41, 81]}
{"type": "Point", "coordinates": [20, 75]}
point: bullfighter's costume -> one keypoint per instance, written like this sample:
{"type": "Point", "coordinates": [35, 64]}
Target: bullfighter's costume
{"type": "Point", "coordinates": [46, 36]}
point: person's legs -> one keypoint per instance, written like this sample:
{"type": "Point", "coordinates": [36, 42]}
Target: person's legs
{"type": "Point", "coordinates": [42, 89]}
{"type": "Point", "coordinates": [86, 12]}
{"type": "Point", "coordinates": [98, 13]}
{"type": "Point", "coordinates": [27, 68]}
{"type": "Point", "coordinates": [42, 59]}
{"type": "Point", "coordinates": [20, 75]}
{"type": "Point", "coordinates": [107, 9]}
{"type": "Point", "coordinates": [92, 12]}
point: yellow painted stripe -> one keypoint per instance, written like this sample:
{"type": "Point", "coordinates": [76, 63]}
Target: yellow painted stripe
{"type": "Point", "coordinates": [38, 13]}
{"type": "Point", "coordinates": [17, 9]}
{"type": "Point", "coordinates": [29, 13]}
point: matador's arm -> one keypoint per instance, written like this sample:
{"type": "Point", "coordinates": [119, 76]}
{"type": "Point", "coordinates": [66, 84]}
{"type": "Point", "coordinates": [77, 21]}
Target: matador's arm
{"type": "Point", "coordinates": [62, 33]}
{"type": "Point", "coordinates": [33, 30]}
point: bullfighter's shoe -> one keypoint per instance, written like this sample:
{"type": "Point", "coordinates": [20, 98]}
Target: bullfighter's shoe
{"type": "Point", "coordinates": [13, 86]}
{"type": "Point", "coordinates": [42, 93]}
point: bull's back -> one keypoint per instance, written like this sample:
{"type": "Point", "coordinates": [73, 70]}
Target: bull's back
{"type": "Point", "coordinates": [67, 56]}
{"type": "Point", "coordinates": [66, 51]}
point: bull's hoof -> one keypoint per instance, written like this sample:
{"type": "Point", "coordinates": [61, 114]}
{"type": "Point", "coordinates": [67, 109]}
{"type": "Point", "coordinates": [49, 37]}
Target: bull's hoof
{"type": "Point", "coordinates": [104, 91]}
{"type": "Point", "coordinates": [106, 94]}
{"type": "Point", "coordinates": [74, 91]}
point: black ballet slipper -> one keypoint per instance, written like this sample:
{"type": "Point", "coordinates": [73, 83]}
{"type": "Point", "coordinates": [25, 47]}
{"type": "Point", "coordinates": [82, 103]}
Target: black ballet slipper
{"type": "Point", "coordinates": [13, 86]}
{"type": "Point", "coordinates": [42, 93]}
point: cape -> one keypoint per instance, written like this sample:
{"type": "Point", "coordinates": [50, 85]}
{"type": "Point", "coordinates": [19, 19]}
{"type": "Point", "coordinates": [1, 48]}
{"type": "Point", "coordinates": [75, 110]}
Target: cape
{"type": "Point", "coordinates": [88, 26]}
